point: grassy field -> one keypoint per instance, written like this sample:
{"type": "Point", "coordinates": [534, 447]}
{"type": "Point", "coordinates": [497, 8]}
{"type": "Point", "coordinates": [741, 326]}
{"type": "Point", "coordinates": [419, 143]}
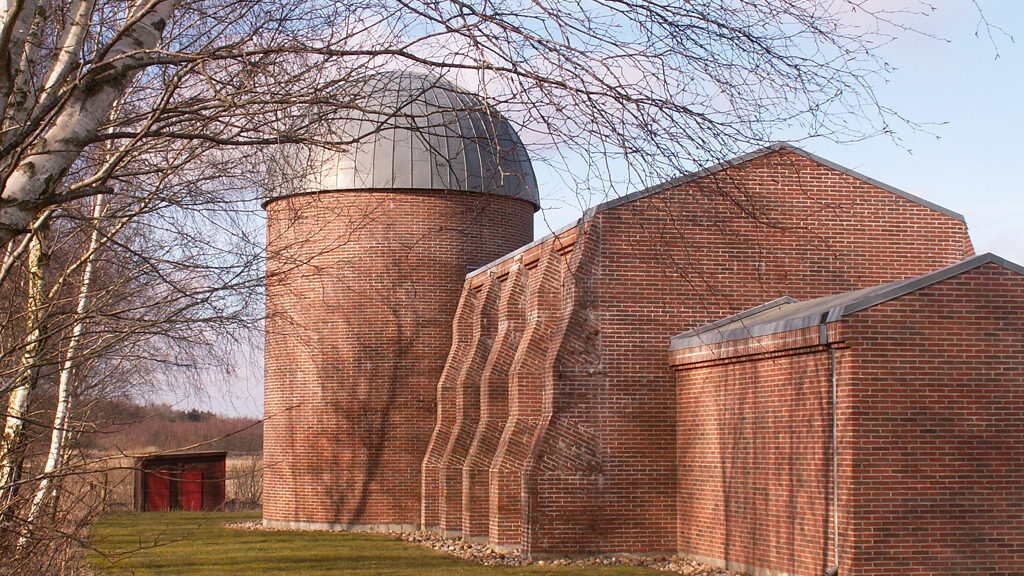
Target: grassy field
{"type": "Point", "coordinates": [194, 544]}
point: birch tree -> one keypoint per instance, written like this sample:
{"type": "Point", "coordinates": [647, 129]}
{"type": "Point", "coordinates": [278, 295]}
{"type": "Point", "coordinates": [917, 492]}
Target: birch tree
{"type": "Point", "coordinates": [27, 377]}
{"type": "Point", "coordinates": [61, 420]}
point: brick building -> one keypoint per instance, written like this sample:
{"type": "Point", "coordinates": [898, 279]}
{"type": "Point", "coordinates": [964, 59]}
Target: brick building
{"type": "Point", "coordinates": [534, 403]}
{"type": "Point", "coordinates": [918, 384]}
{"type": "Point", "coordinates": [363, 283]}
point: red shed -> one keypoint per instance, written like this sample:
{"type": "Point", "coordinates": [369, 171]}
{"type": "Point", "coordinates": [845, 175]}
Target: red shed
{"type": "Point", "coordinates": [180, 481]}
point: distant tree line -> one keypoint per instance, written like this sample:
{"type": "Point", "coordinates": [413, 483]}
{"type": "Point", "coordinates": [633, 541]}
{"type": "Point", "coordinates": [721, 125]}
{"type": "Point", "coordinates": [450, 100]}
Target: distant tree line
{"type": "Point", "coordinates": [131, 429]}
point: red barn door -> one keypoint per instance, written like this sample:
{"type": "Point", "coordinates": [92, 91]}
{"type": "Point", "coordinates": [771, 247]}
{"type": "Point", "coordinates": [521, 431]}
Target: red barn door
{"type": "Point", "coordinates": [158, 490]}
{"type": "Point", "coordinates": [192, 490]}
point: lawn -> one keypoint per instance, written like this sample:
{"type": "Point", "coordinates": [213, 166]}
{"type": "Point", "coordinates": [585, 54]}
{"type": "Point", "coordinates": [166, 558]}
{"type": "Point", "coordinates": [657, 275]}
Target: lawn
{"type": "Point", "coordinates": [196, 543]}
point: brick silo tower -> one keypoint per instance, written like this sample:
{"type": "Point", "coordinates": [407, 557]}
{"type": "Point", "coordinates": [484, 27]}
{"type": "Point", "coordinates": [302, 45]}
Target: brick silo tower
{"type": "Point", "coordinates": [367, 250]}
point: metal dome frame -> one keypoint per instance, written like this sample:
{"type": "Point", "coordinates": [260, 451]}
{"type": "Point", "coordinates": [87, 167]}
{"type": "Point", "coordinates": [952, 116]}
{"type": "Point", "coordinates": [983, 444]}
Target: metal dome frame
{"type": "Point", "coordinates": [412, 131]}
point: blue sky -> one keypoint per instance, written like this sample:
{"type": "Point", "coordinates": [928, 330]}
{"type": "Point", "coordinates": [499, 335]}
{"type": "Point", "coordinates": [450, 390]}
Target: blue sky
{"type": "Point", "coordinates": [967, 93]}
{"type": "Point", "coordinates": [971, 161]}
{"type": "Point", "coordinates": [969, 90]}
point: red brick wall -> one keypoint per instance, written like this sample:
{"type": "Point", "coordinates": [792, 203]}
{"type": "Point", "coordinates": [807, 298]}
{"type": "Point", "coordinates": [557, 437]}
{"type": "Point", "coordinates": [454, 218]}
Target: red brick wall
{"type": "Point", "coordinates": [447, 407]}
{"type": "Point", "coordinates": [467, 404]}
{"type": "Point", "coordinates": [931, 439]}
{"type": "Point", "coordinates": [755, 458]}
{"type": "Point", "coordinates": [459, 408]}
{"type": "Point", "coordinates": [491, 414]}
{"type": "Point", "coordinates": [529, 402]}
{"type": "Point", "coordinates": [563, 476]}
{"type": "Point", "coordinates": [933, 460]}
{"type": "Point", "coordinates": [362, 288]}
{"type": "Point", "coordinates": [493, 404]}
{"type": "Point", "coordinates": [588, 458]}
{"type": "Point", "coordinates": [778, 225]}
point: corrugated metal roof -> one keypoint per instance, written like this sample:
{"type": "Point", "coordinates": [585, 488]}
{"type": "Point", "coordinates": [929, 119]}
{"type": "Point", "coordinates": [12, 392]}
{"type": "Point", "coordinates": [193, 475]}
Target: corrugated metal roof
{"type": "Point", "coordinates": [781, 316]}
{"type": "Point", "coordinates": [413, 131]}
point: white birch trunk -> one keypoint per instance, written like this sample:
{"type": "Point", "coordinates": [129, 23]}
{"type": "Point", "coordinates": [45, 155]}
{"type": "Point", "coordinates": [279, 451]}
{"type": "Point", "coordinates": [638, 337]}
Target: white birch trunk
{"type": "Point", "coordinates": [66, 60]}
{"type": "Point", "coordinates": [28, 375]}
{"type": "Point", "coordinates": [61, 432]}
{"type": "Point", "coordinates": [16, 251]}
{"type": "Point", "coordinates": [36, 177]}
{"type": "Point", "coordinates": [19, 16]}
{"type": "Point", "coordinates": [23, 97]}
{"type": "Point", "coordinates": [8, 249]}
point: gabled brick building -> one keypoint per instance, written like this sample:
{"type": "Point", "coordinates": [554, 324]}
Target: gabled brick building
{"type": "Point", "coordinates": [533, 403]}
{"type": "Point", "coordinates": [919, 385]}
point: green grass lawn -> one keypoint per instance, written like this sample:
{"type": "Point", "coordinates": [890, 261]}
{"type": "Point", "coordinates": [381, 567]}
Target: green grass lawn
{"type": "Point", "coordinates": [196, 543]}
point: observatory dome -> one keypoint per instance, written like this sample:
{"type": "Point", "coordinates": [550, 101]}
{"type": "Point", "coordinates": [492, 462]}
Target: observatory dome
{"type": "Point", "coordinates": [412, 131]}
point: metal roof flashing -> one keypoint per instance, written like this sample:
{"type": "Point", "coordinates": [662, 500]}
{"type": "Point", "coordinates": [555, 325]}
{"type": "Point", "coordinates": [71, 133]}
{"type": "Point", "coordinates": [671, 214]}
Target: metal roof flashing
{"type": "Point", "coordinates": [778, 302]}
{"type": "Point", "coordinates": [779, 146]}
{"type": "Point", "coordinates": [774, 318]}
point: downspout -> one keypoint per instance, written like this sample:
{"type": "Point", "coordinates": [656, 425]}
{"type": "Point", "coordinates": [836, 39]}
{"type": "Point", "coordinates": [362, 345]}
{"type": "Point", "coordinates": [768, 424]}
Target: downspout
{"type": "Point", "coordinates": [823, 340]}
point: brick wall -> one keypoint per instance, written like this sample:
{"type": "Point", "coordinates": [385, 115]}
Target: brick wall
{"type": "Point", "coordinates": [529, 401]}
{"type": "Point", "coordinates": [587, 460]}
{"type": "Point", "coordinates": [563, 476]}
{"type": "Point", "coordinates": [755, 455]}
{"type": "Point", "coordinates": [933, 466]}
{"type": "Point", "coordinates": [780, 224]}
{"type": "Point", "coordinates": [361, 292]}
{"type": "Point", "coordinates": [493, 402]}
{"type": "Point", "coordinates": [930, 422]}
{"type": "Point", "coordinates": [467, 399]}
{"type": "Point", "coordinates": [466, 323]}
{"type": "Point", "coordinates": [477, 488]}
{"type": "Point", "coordinates": [569, 400]}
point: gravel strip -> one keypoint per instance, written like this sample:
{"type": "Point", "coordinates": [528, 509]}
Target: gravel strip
{"type": "Point", "coordinates": [484, 554]}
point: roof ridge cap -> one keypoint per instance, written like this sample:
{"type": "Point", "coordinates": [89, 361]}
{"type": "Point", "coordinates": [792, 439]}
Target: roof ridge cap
{"type": "Point", "coordinates": [763, 151]}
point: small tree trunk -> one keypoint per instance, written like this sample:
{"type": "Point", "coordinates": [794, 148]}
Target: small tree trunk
{"type": "Point", "coordinates": [61, 418]}
{"type": "Point", "coordinates": [28, 375]}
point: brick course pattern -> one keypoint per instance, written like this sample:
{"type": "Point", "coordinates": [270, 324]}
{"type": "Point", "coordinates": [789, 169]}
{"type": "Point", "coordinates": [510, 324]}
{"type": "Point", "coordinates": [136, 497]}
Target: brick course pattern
{"type": "Point", "coordinates": [531, 402]}
{"type": "Point", "coordinates": [755, 455]}
{"type": "Point", "coordinates": [587, 460]}
{"type": "Point", "coordinates": [933, 405]}
{"type": "Point", "coordinates": [930, 418]}
{"type": "Point", "coordinates": [493, 404]}
{"type": "Point", "coordinates": [362, 289]}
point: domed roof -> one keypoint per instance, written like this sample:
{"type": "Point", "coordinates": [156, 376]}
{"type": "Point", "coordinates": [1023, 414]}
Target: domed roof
{"type": "Point", "coordinates": [413, 131]}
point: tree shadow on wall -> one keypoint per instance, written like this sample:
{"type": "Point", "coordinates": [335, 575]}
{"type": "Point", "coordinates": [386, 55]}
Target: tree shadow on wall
{"type": "Point", "coordinates": [387, 389]}
{"type": "Point", "coordinates": [775, 466]}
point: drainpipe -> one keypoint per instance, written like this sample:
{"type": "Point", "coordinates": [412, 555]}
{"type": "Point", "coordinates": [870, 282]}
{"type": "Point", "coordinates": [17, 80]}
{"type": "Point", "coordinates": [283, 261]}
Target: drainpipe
{"type": "Point", "coordinates": [823, 340]}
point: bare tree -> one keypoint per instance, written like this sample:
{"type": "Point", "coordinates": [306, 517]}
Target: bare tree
{"type": "Point", "coordinates": [60, 434]}
{"type": "Point", "coordinates": [120, 306]}
{"type": "Point", "coordinates": [662, 84]}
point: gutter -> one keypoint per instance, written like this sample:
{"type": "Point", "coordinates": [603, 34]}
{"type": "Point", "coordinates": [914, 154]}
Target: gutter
{"type": "Point", "coordinates": [833, 380]}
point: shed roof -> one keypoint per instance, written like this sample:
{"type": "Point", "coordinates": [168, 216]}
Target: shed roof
{"type": "Point", "coordinates": [182, 456]}
{"type": "Point", "coordinates": [787, 314]}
